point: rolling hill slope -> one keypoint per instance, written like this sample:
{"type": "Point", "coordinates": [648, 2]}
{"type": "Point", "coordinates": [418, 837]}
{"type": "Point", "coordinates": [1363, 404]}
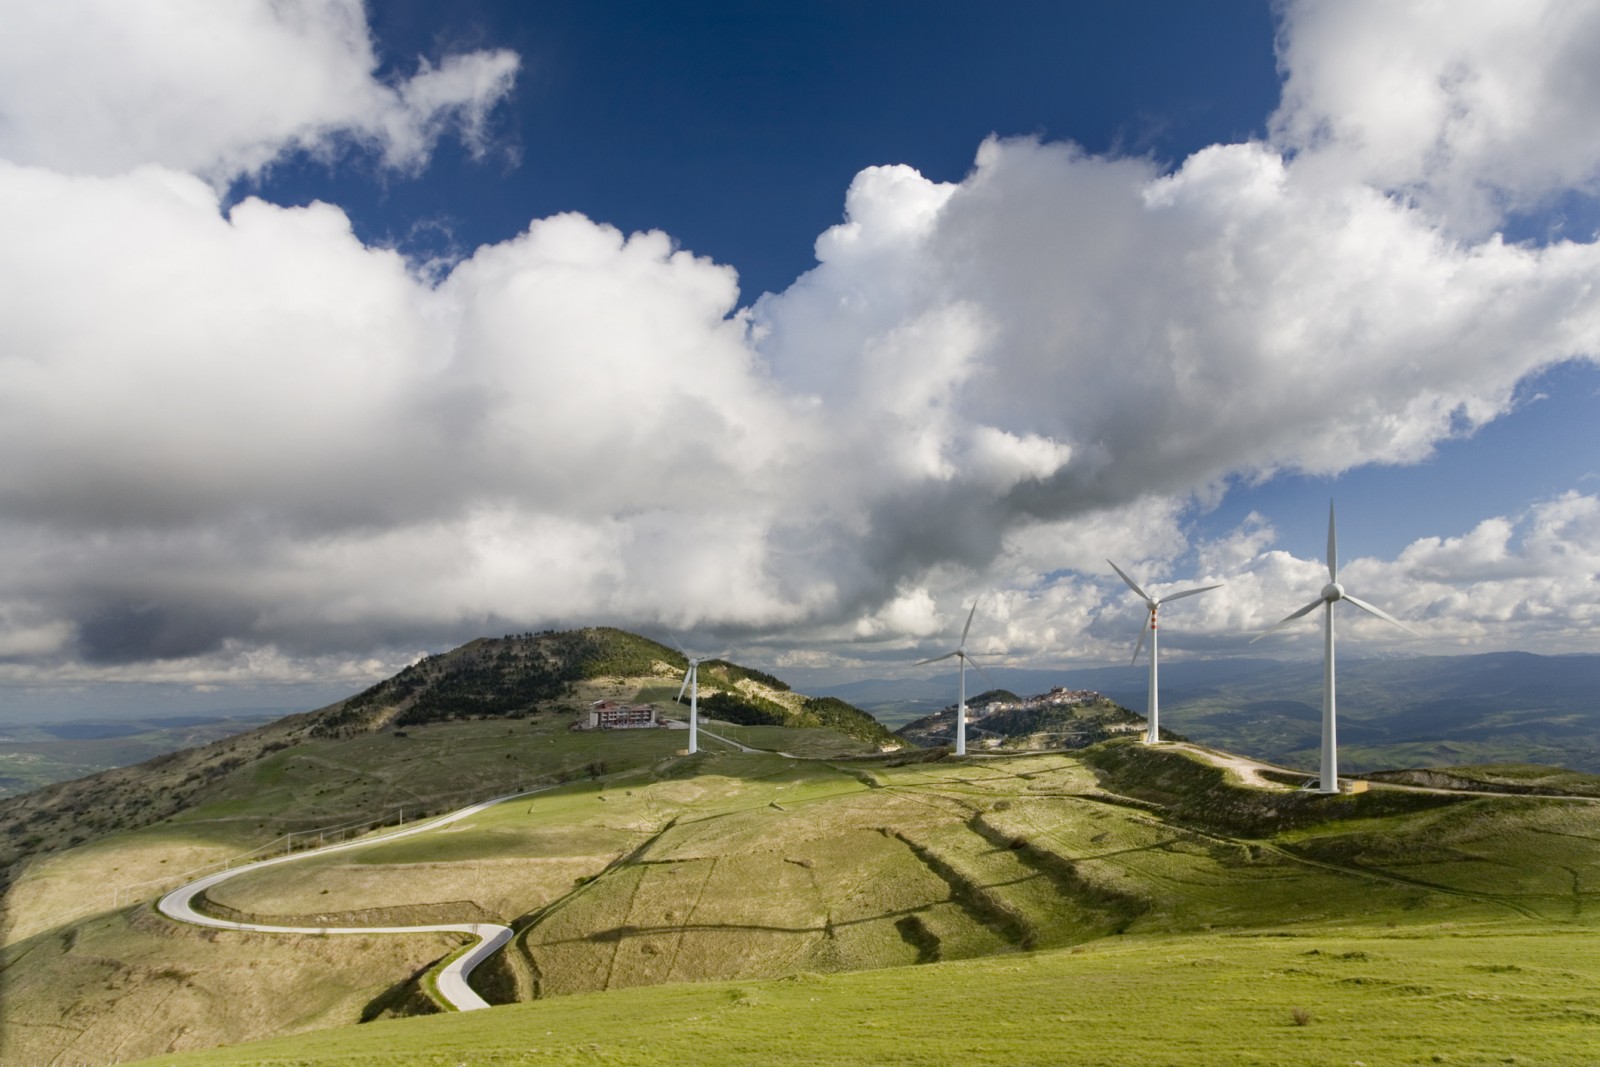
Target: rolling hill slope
{"type": "Point", "coordinates": [789, 889]}
{"type": "Point", "coordinates": [749, 867]}
{"type": "Point", "coordinates": [509, 680]}
{"type": "Point", "coordinates": [821, 910]}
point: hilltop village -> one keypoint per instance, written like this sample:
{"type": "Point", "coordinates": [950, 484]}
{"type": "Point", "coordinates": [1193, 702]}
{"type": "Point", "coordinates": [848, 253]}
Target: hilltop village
{"type": "Point", "coordinates": [1061, 718]}
{"type": "Point", "coordinates": [1058, 697]}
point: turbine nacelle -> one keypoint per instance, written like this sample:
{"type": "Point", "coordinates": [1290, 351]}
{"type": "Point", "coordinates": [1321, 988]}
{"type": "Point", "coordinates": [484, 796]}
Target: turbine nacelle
{"type": "Point", "coordinates": [1332, 591]}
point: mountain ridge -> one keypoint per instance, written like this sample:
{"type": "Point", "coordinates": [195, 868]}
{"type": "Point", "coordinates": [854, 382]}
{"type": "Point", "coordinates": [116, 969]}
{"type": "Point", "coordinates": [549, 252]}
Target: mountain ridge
{"type": "Point", "coordinates": [1492, 707]}
{"type": "Point", "coordinates": [507, 678]}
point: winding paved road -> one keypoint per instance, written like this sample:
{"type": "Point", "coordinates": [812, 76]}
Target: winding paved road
{"type": "Point", "coordinates": [452, 981]}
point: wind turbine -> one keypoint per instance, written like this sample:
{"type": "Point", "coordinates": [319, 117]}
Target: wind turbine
{"type": "Point", "coordinates": [1153, 703]}
{"type": "Point", "coordinates": [691, 682]}
{"type": "Point", "coordinates": [961, 654]}
{"type": "Point", "coordinates": [1332, 593]}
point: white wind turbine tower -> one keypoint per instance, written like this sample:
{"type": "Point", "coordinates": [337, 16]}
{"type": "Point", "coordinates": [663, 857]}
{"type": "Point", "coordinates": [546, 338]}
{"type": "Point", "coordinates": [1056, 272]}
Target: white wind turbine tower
{"type": "Point", "coordinates": [691, 682]}
{"type": "Point", "coordinates": [1331, 594]}
{"type": "Point", "coordinates": [961, 654]}
{"type": "Point", "coordinates": [1153, 702]}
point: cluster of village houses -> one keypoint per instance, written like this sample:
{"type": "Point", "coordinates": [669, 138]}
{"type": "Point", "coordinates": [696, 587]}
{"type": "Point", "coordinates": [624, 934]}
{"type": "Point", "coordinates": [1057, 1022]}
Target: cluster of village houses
{"type": "Point", "coordinates": [1056, 698]}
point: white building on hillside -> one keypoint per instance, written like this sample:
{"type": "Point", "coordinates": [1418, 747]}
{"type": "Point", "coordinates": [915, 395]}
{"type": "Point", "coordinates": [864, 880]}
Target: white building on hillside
{"type": "Point", "coordinates": [615, 715]}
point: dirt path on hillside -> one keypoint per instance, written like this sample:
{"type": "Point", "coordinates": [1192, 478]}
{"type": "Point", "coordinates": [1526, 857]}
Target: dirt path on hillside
{"type": "Point", "coordinates": [1248, 770]}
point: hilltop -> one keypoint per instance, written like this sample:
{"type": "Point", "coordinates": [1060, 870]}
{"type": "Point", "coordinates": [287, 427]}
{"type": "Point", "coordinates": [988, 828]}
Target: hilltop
{"type": "Point", "coordinates": [1000, 720]}
{"type": "Point", "coordinates": [513, 676]}
{"type": "Point", "coordinates": [508, 679]}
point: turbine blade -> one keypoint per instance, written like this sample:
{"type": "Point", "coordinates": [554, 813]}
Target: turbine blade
{"type": "Point", "coordinates": [935, 659]}
{"type": "Point", "coordinates": [684, 686]}
{"type": "Point", "coordinates": [1333, 548]}
{"type": "Point", "coordinates": [1373, 610]}
{"type": "Point", "coordinates": [968, 626]}
{"type": "Point", "coordinates": [1131, 583]}
{"type": "Point", "coordinates": [1280, 624]}
{"type": "Point", "coordinates": [981, 671]}
{"type": "Point", "coordinates": [1138, 645]}
{"type": "Point", "coordinates": [1189, 592]}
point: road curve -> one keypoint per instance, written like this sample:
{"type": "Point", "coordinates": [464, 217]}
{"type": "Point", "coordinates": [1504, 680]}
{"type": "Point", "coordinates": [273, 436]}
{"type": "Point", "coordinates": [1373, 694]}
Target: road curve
{"type": "Point", "coordinates": [452, 981]}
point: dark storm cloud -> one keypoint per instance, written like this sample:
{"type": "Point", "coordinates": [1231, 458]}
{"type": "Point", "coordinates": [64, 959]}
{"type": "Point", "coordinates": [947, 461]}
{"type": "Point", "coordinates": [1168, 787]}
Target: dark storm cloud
{"type": "Point", "coordinates": [129, 633]}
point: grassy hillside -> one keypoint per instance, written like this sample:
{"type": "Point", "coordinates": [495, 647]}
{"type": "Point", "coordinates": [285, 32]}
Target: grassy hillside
{"type": "Point", "coordinates": [758, 868]}
{"type": "Point", "coordinates": [516, 680]}
{"type": "Point", "coordinates": [510, 677]}
{"type": "Point", "coordinates": [784, 910]}
{"type": "Point", "coordinates": [83, 945]}
{"type": "Point", "coordinates": [79, 854]}
{"type": "Point", "coordinates": [911, 880]}
{"type": "Point", "coordinates": [1370, 995]}
{"type": "Point", "coordinates": [505, 677]}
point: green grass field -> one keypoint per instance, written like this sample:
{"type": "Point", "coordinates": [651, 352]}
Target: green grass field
{"type": "Point", "coordinates": [1123, 905]}
{"type": "Point", "coordinates": [1476, 994]}
{"type": "Point", "coordinates": [352, 784]}
{"type": "Point", "coordinates": [813, 744]}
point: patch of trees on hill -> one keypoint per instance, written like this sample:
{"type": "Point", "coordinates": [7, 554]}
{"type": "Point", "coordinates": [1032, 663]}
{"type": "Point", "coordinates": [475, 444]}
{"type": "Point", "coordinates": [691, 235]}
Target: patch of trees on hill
{"type": "Point", "coordinates": [817, 712]}
{"type": "Point", "coordinates": [502, 677]}
{"type": "Point", "coordinates": [847, 719]}
{"type": "Point", "coordinates": [743, 709]}
{"type": "Point", "coordinates": [508, 677]}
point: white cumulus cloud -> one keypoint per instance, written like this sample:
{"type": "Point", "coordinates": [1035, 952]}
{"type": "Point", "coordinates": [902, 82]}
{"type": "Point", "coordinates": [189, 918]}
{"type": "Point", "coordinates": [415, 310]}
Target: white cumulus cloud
{"type": "Point", "coordinates": [222, 89]}
{"type": "Point", "coordinates": [241, 442]}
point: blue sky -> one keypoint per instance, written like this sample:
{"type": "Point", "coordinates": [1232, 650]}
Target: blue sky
{"type": "Point", "coordinates": [736, 127]}
{"type": "Point", "coordinates": [335, 335]}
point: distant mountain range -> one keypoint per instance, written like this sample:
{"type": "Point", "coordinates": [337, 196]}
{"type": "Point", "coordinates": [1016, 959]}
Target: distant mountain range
{"type": "Point", "coordinates": [1432, 710]}
{"type": "Point", "coordinates": [38, 754]}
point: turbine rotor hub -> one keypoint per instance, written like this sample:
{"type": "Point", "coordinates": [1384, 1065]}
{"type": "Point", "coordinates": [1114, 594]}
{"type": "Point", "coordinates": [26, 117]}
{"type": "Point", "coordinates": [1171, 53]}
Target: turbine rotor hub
{"type": "Point", "coordinates": [1332, 591]}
